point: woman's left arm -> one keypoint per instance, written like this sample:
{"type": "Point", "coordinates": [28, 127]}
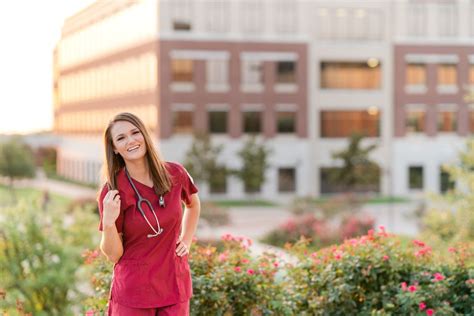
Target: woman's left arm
{"type": "Point", "coordinates": [189, 225]}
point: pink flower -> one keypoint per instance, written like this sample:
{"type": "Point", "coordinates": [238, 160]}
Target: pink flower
{"type": "Point", "coordinates": [423, 251]}
{"type": "Point", "coordinates": [275, 264]}
{"type": "Point", "coordinates": [237, 269]}
{"type": "Point", "coordinates": [438, 277]}
{"type": "Point", "coordinates": [338, 255]}
{"type": "Point", "coordinates": [227, 237]}
{"type": "Point", "coordinates": [412, 288]}
{"type": "Point", "coordinates": [470, 281]}
{"type": "Point", "coordinates": [370, 232]}
{"type": "Point", "coordinates": [382, 228]}
{"type": "Point", "coordinates": [451, 249]}
{"type": "Point", "coordinates": [250, 272]}
{"type": "Point", "coordinates": [419, 243]}
{"type": "Point", "coordinates": [90, 312]}
{"type": "Point", "coordinates": [404, 286]}
{"type": "Point", "coordinates": [422, 306]}
{"type": "Point", "coordinates": [385, 258]}
{"type": "Point", "coordinates": [245, 261]}
{"type": "Point", "coordinates": [223, 256]}
{"type": "Point", "coordinates": [429, 312]}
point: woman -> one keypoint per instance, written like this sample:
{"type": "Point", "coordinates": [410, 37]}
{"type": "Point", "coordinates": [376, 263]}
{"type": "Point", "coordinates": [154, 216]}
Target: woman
{"type": "Point", "coordinates": [143, 229]}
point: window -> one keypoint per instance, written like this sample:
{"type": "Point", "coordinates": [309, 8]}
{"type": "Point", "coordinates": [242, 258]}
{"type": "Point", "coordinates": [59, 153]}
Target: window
{"type": "Point", "coordinates": [182, 122]}
{"type": "Point", "coordinates": [286, 72]}
{"type": "Point", "coordinates": [217, 14]}
{"type": "Point", "coordinates": [445, 181]}
{"type": "Point", "coordinates": [471, 119]}
{"type": "Point", "coordinates": [252, 121]}
{"type": "Point", "coordinates": [286, 180]}
{"type": "Point", "coordinates": [330, 183]}
{"type": "Point", "coordinates": [181, 25]}
{"type": "Point", "coordinates": [252, 16]}
{"type": "Point", "coordinates": [447, 74]}
{"type": "Point", "coordinates": [415, 120]}
{"type": "Point", "coordinates": [286, 122]}
{"type": "Point", "coordinates": [346, 123]}
{"type": "Point", "coordinates": [415, 175]}
{"type": "Point", "coordinates": [285, 16]}
{"type": "Point", "coordinates": [471, 73]}
{"type": "Point", "coordinates": [217, 74]}
{"type": "Point", "coordinates": [182, 70]}
{"type": "Point", "coordinates": [350, 75]}
{"type": "Point", "coordinates": [447, 121]}
{"type": "Point", "coordinates": [417, 20]}
{"type": "Point", "coordinates": [415, 75]}
{"type": "Point", "coordinates": [218, 122]}
{"type": "Point", "coordinates": [447, 19]}
{"type": "Point", "coordinates": [252, 72]}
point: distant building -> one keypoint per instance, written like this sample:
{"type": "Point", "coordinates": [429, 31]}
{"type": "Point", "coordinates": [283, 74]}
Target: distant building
{"type": "Point", "coordinates": [303, 75]}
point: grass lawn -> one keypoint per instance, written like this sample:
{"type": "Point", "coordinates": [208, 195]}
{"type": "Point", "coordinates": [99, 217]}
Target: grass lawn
{"type": "Point", "coordinates": [31, 194]}
{"type": "Point", "coordinates": [243, 203]}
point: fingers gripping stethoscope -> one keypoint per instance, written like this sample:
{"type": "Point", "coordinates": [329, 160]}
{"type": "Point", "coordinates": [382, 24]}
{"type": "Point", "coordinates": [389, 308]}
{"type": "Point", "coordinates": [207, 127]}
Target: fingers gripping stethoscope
{"type": "Point", "coordinates": [140, 201]}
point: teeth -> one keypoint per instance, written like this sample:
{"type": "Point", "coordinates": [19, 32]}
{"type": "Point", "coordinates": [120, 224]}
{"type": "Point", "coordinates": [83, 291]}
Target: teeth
{"type": "Point", "coordinates": [133, 148]}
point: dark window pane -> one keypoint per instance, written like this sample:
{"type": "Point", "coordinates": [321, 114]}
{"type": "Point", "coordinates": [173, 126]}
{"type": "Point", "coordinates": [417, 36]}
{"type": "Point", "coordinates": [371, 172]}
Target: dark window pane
{"type": "Point", "coordinates": [446, 183]}
{"type": "Point", "coordinates": [286, 180]}
{"type": "Point", "coordinates": [218, 122]}
{"type": "Point", "coordinates": [252, 122]}
{"type": "Point", "coordinates": [181, 26]}
{"type": "Point", "coordinates": [415, 174]}
{"type": "Point", "coordinates": [286, 122]}
{"type": "Point", "coordinates": [286, 72]}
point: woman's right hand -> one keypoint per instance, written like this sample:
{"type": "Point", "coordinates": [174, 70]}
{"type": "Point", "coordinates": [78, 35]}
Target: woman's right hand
{"type": "Point", "coordinates": [111, 206]}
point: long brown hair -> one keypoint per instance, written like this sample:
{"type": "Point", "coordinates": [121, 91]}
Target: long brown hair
{"type": "Point", "coordinates": [114, 162]}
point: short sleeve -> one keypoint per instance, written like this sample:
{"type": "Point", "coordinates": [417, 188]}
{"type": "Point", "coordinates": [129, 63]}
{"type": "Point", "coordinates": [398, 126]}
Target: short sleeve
{"type": "Point", "coordinates": [188, 186]}
{"type": "Point", "coordinates": [119, 221]}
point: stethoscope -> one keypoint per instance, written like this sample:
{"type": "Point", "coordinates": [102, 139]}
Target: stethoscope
{"type": "Point", "coordinates": [139, 205]}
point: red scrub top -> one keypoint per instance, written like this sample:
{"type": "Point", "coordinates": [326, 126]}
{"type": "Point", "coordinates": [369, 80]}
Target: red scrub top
{"type": "Point", "coordinates": [150, 274]}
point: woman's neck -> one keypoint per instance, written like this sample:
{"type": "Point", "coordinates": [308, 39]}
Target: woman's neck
{"type": "Point", "coordinates": [138, 169]}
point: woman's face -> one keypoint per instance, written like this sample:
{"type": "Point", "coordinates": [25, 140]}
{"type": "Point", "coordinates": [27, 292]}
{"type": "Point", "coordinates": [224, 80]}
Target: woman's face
{"type": "Point", "coordinates": [128, 141]}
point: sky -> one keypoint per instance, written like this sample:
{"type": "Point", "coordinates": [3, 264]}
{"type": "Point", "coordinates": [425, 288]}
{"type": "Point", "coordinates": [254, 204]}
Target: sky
{"type": "Point", "coordinates": [29, 30]}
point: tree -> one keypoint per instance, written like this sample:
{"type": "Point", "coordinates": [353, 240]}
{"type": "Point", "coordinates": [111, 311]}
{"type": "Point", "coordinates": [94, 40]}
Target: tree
{"type": "Point", "coordinates": [254, 164]}
{"type": "Point", "coordinates": [16, 161]}
{"type": "Point", "coordinates": [201, 161]}
{"type": "Point", "coordinates": [450, 219]}
{"type": "Point", "coordinates": [357, 169]}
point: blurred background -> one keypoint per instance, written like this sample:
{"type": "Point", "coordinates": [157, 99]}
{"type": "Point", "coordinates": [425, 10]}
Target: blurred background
{"type": "Point", "coordinates": [294, 117]}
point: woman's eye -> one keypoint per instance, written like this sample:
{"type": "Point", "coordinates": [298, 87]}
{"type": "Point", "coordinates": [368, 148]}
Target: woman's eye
{"type": "Point", "coordinates": [120, 138]}
{"type": "Point", "coordinates": [136, 132]}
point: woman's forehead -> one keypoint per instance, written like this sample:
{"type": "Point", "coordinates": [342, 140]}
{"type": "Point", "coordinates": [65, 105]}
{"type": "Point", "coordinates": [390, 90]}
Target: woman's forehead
{"type": "Point", "coordinates": [121, 127]}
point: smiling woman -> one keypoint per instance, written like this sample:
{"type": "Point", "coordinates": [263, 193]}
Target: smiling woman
{"type": "Point", "coordinates": [144, 231]}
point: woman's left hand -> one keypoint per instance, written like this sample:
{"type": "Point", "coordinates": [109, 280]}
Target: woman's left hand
{"type": "Point", "coordinates": [182, 247]}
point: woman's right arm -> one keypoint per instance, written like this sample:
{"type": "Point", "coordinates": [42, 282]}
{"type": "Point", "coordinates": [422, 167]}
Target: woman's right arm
{"type": "Point", "coordinates": [111, 243]}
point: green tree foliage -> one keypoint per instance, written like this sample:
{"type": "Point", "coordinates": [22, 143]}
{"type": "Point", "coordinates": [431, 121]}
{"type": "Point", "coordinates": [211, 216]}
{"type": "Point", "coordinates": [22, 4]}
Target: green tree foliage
{"type": "Point", "coordinates": [201, 161]}
{"type": "Point", "coordinates": [451, 218]}
{"type": "Point", "coordinates": [357, 169]}
{"type": "Point", "coordinates": [16, 161]}
{"type": "Point", "coordinates": [254, 164]}
{"type": "Point", "coordinates": [40, 256]}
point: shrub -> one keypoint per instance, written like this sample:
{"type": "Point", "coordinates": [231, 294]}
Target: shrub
{"type": "Point", "coordinates": [214, 215]}
{"type": "Point", "coordinates": [40, 256]}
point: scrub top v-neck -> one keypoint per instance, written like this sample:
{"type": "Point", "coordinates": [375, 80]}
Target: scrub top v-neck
{"type": "Point", "coordinates": [150, 274]}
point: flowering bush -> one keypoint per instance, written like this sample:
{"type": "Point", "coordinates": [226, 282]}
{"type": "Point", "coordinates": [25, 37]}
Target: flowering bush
{"type": "Point", "coordinates": [369, 275]}
{"type": "Point", "coordinates": [317, 230]}
{"type": "Point", "coordinates": [374, 275]}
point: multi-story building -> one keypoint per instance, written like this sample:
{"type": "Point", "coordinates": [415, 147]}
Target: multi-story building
{"type": "Point", "coordinates": [434, 71]}
{"type": "Point", "coordinates": [303, 75]}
